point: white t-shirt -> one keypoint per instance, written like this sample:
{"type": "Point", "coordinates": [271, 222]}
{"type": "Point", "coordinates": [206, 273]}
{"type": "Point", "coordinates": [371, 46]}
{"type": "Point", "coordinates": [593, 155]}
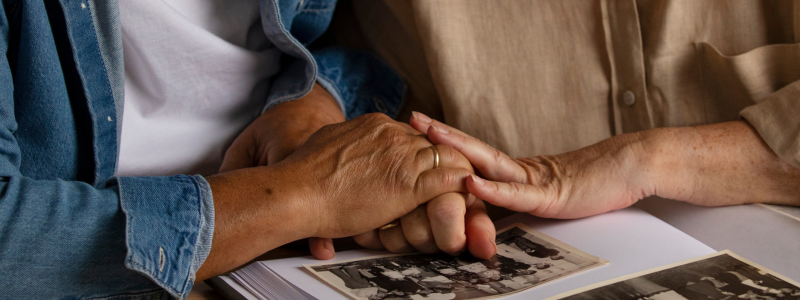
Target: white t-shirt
{"type": "Point", "coordinates": [196, 74]}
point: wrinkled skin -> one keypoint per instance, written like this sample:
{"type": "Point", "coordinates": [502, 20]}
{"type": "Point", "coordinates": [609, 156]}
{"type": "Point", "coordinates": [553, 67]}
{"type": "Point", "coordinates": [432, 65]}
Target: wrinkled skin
{"type": "Point", "coordinates": [443, 224]}
{"type": "Point", "coordinates": [346, 179]}
{"type": "Point", "coordinates": [710, 165]}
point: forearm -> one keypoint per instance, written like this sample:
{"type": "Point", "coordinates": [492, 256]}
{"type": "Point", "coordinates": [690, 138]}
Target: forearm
{"type": "Point", "coordinates": [250, 221]}
{"type": "Point", "coordinates": [718, 164]}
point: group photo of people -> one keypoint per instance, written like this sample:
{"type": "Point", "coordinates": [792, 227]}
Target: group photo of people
{"type": "Point", "coordinates": [719, 277]}
{"type": "Point", "coordinates": [523, 260]}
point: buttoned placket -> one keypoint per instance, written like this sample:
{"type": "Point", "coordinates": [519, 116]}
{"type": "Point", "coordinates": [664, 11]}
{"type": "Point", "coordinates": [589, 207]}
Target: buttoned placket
{"type": "Point", "coordinates": [631, 108]}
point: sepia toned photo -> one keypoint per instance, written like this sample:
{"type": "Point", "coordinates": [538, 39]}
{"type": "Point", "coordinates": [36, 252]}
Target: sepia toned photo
{"type": "Point", "coordinates": [723, 275]}
{"type": "Point", "coordinates": [525, 258]}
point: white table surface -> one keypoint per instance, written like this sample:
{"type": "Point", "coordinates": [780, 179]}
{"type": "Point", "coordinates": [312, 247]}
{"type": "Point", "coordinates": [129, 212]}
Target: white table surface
{"type": "Point", "coordinates": [754, 232]}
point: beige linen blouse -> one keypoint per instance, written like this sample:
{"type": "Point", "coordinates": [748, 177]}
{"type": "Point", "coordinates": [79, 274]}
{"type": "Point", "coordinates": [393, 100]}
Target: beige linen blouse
{"type": "Point", "coordinates": [545, 77]}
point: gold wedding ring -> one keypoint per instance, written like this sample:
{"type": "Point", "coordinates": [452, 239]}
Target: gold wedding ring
{"type": "Point", "coordinates": [435, 156]}
{"type": "Point", "coordinates": [390, 225]}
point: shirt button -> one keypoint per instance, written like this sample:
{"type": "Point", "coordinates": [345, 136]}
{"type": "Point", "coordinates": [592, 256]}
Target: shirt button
{"type": "Point", "coordinates": [628, 98]}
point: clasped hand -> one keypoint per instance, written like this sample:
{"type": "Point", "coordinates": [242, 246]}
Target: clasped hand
{"type": "Point", "coordinates": [435, 222]}
{"type": "Point", "coordinates": [346, 179]}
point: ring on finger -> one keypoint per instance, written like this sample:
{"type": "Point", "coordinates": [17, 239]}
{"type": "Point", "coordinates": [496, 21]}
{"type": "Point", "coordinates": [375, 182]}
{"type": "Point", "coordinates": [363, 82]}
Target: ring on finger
{"type": "Point", "coordinates": [392, 224]}
{"type": "Point", "coordinates": [435, 156]}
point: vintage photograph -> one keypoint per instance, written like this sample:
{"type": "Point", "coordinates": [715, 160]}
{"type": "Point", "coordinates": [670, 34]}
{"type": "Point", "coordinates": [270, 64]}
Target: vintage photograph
{"type": "Point", "coordinates": [525, 258]}
{"type": "Point", "coordinates": [723, 275]}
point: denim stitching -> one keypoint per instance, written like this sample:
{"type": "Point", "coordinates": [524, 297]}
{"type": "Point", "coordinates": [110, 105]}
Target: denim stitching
{"type": "Point", "coordinates": [131, 296]}
{"type": "Point", "coordinates": [308, 57]}
{"type": "Point", "coordinates": [198, 194]}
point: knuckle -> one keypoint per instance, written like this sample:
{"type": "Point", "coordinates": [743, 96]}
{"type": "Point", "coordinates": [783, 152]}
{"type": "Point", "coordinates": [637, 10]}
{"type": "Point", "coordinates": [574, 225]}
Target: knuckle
{"type": "Point", "coordinates": [395, 246]}
{"type": "Point", "coordinates": [377, 117]}
{"type": "Point", "coordinates": [419, 237]}
{"type": "Point", "coordinates": [517, 190]}
{"type": "Point", "coordinates": [497, 155]}
{"type": "Point", "coordinates": [368, 241]}
{"type": "Point", "coordinates": [452, 244]}
{"type": "Point", "coordinates": [406, 174]}
{"type": "Point", "coordinates": [391, 134]}
{"type": "Point", "coordinates": [449, 178]}
{"type": "Point", "coordinates": [393, 240]}
{"type": "Point", "coordinates": [454, 157]}
{"type": "Point", "coordinates": [446, 211]}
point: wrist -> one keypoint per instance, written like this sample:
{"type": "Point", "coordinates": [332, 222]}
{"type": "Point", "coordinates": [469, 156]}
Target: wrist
{"type": "Point", "coordinates": [258, 209]}
{"type": "Point", "coordinates": [669, 166]}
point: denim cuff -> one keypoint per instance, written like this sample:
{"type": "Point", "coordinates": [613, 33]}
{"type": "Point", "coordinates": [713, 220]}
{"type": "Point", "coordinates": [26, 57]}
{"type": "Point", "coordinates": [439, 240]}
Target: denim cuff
{"type": "Point", "coordinates": [359, 81]}
{"type": "Point", "coordinates": [206, 232]}
{"type": "Point", "coordinates": [169, 227]}
{"type": "Point", "coordinates": [331, 88]}
{"type": "Point", "coordinates": [294, 82]}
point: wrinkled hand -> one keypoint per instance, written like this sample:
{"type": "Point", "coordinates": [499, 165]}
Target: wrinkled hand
{"type": "Point", "coordinates": [364, 173]}
{"type": "Point", "coordinates": [589, 181]}
{"type": "Point", "coordinates": [710, 165]}
{"type": "Point", "coordinates": [278, 132]}
{"type": "Point", "coordinates": [448, 221]}
{"type": "Point", "coordinates": [452, 223]}
{"type": "Point", "coordinates": [346, 179]}
{"type": "Point", "coordinates": [282, 129]}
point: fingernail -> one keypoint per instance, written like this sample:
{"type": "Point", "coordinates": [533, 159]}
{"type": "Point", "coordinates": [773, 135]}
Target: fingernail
{"type": "Point", "coordinates": [477, 180]}
{"type": "Point", "coordinates": [329, 246]}
{"type": "Point", "coordinates": [440, 129]}
{"type": "Point", "coordinates": [421, 117]}
{"type": "Point", "coordinates": [491, 237]}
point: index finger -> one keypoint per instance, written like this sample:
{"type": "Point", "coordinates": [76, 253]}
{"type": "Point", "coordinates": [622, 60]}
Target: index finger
{"type": "Point", "coordinates": [492, 163]}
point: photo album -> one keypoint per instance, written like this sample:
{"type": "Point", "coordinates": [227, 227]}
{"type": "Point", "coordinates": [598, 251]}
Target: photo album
{"type": "Point", "coordinates": [525, 258]}
{"type": "Point", "coordinates": [600, 257]}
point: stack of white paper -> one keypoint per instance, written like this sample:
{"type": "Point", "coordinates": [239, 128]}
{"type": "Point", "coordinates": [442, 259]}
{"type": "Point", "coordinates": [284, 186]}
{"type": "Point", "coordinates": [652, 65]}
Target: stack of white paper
{"type": "Point", "coordinates": [260, 280]}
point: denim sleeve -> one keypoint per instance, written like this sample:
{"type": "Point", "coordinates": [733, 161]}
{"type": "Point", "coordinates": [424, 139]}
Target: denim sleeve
{"type": "Point", "coordinates": [68, 239]}
{"type": "Point", "coordinates": [132, 238]}
{"type": "Point", "coordinates": [360, 81]}
{"type": "Point", "coordinates": [169, 225]}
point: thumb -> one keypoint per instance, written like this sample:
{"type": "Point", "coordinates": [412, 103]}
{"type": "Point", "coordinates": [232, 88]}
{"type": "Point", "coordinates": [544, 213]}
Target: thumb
{"type": "Point", "coordinates": [277, 154]}
{"type": "Point", "coordinates": [238, 156]}
{"type": "Point", "coordinates": [480, 231]}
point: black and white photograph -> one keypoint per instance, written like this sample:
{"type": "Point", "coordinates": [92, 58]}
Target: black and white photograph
{"type": "Point", "coordinates": [723, 275]}
{"type": "Point", "coordinates": [525, 258]}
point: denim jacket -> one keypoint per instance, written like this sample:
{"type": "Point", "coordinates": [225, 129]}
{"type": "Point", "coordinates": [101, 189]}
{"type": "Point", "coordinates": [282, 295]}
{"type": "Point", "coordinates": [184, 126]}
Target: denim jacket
{"type": "Point", "coordinates": [68, 228]}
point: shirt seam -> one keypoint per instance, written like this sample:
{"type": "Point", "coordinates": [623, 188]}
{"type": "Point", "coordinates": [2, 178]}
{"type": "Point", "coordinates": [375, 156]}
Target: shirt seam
{"type": "Point", "coordinates": [308, 57]}
{"type": "Point", "coordinates": [199, 221]}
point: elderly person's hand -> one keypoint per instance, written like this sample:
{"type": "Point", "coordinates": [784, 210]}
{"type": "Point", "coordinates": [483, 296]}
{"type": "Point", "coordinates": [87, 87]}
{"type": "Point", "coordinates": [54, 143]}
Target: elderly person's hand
{"type": "Point", "coordinates": [278, 132]}
{"type": "Point", "coordinates": [347, 179]}
{"type": "Point", "coordinates": [450, 222]}
{"type": "Point", "coordinates": [712, 165]}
